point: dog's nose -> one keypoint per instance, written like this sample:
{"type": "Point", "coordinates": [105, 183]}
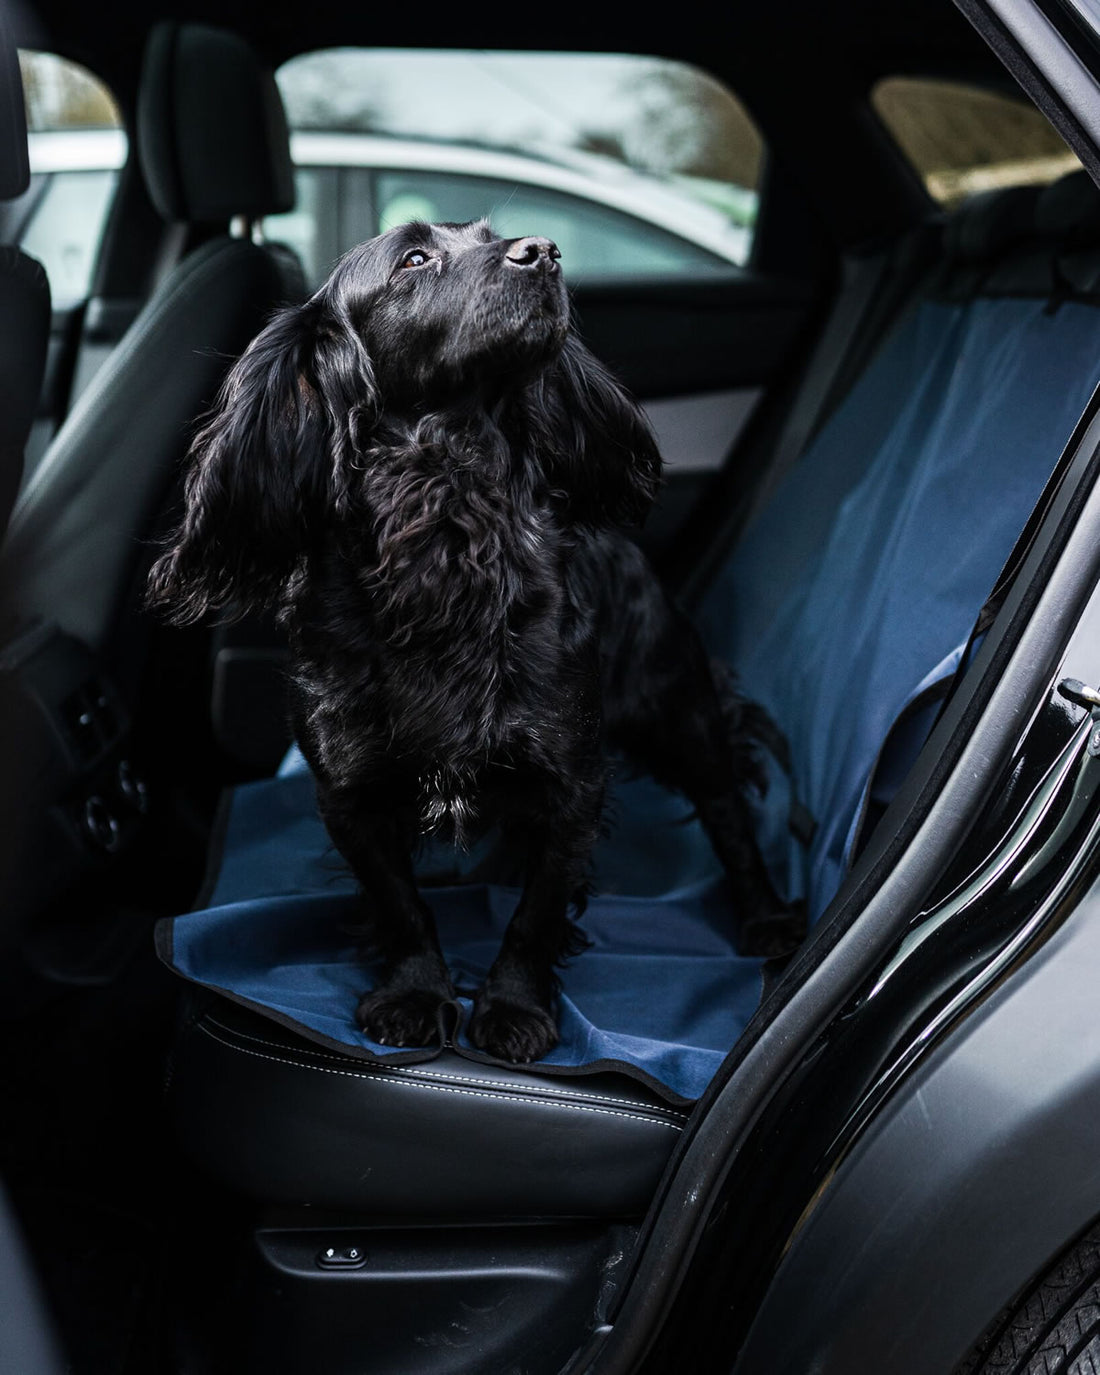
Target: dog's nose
{"type": "Point", "coordinates": [533, 252]}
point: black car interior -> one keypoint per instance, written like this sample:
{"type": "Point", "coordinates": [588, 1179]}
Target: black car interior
{"type": "Point", "coordinates": [27, 1336]}
{"type": "Point", "coordinates": [202, 1188]}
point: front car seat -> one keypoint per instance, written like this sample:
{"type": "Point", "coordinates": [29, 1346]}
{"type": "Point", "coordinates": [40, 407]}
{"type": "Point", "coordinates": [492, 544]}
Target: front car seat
{"type": "Point", "coordinates": [89, 741]}
{"type": "Point", "coordinates": [214, 150]}
{"type": "Point", "coordinates": [24, 293]}
{"type": "Point", "coordinates": [27, 1341]}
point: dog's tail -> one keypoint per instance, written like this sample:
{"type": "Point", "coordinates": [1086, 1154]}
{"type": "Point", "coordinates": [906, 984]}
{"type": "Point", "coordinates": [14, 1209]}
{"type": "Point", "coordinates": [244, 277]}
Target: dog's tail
{"type": "Point", "coordinates": [749, 729]}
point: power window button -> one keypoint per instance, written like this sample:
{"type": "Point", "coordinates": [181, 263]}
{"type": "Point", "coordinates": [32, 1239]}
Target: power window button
{"type": "Point", "coordinates": [341, 1258]}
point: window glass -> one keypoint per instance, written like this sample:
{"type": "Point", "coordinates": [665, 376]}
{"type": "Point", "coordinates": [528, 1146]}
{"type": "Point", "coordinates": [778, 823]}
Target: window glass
{"type": "Point", "coordinates": [310, 229]}
{"type": "Point", "coordinates": [655, 156]}
{"type": "Point", "coordinates": [962, 139]}
{"type": "Point", "coordinates": [591, 237]}
{"type": "Point", "coordinates": [76, 147]}
{"type": "Point", "coordinates": [65, 230]}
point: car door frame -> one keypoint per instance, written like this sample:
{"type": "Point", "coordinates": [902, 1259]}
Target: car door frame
{"type": "Point", "coordinates": [723, 1272]}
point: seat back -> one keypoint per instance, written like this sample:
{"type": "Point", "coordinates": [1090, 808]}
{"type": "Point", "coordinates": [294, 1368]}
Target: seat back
{"type": "Point", "coordinates": [214, 151]}
{"type": "Point", "coordinates": [859, 583]}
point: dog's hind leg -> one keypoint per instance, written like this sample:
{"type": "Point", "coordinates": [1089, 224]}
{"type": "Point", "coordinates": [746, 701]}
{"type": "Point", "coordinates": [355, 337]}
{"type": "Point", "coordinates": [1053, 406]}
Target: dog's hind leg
{"type": "Point", "coordinates": [398, 928]}
{"type": "Point", "coordinates": [665, 712]}
{"type": "Point", "coordinates": [513, 1015]}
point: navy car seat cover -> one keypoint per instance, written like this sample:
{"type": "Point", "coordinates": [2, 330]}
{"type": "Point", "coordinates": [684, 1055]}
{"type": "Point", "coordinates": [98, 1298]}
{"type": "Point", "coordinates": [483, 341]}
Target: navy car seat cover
{"type": "Point", "coordinates": [659, 993]}
{"type": "Point", "coordinates": [852, 592]}
{"type": "Point", "coordinates": [865, 573]}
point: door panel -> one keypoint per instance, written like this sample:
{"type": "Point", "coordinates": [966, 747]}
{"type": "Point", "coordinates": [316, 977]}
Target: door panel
{"type": "Point", "coordinates": [700, 355]}
{"type": "Point", "coordinates": [696, 433]}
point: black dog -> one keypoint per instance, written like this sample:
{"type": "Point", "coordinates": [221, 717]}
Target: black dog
{"type": "Point", "coordinates": [425, 471]}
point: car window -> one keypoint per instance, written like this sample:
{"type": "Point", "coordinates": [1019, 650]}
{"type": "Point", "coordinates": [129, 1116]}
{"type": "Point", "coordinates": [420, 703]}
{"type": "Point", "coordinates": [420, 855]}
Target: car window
{"type": "Point", "coordinates": [962, 139]}
{"type": "Point", "coordinates": [65, 230]}
{"type": "Point", "coordinates": [632, 165]}
{"type": "Point", "coordinates": [312, 228]}
{"type": "Point", "coordinates": [592, 238]}
{"type": "Point", "coordinates": [76, 146]}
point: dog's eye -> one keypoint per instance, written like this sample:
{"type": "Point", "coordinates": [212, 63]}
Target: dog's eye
{"type": "Point", "coordinates": [415, 259]}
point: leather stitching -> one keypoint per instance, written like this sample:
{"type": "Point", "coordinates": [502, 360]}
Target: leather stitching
{"type": "Point", "coordinates": [383, 1078]}
{"type": "Point", "coordinates": [416, 1071]}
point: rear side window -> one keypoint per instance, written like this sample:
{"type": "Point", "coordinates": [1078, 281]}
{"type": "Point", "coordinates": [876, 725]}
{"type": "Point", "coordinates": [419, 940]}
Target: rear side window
{"type": "Point", "coordinates": [593, 238]}
{"type": "Point", "coordinates": [77, 146]}
{"type": "Point", "coordinates": [634, 166]}
{"type": "Point", "coordinates": [962, 139]}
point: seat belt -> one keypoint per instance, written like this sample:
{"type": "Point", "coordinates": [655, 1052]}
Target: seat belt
{"type": "Point", "coordinates": [862, 279]}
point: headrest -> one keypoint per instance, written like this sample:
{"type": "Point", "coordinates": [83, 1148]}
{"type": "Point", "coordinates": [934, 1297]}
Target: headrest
{"type": "Point", "coordinates": [25, 312]}
{"type": "Point", "coordinates": [212, 132]}
{"type": "Point", "coordinates": [1069, 210]}
{"type": "Point", "coordinates": [990, 221]}
{"type": "Point", "coordinates": [15, 172]}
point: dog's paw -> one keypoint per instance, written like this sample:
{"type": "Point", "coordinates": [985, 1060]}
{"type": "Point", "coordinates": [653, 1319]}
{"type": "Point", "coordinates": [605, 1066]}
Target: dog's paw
{"type": "Point", "coordinates": [773, 935]}
{"type": "Point", "coordinates": [401, 1017]}
{"type": "Point", "coordinates": [511, 1031]}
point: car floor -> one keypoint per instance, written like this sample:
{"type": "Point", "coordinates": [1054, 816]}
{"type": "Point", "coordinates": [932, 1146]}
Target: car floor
{"type": "Point", "coordinates": [88, 1158]}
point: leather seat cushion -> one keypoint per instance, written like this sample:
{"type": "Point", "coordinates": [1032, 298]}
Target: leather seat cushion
{"type": "Point", "coordinates": [283, 1120]}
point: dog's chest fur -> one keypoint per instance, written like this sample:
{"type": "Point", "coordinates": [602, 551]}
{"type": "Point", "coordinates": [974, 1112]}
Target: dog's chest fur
{"type": "Point", "coordinates": [464, 652]}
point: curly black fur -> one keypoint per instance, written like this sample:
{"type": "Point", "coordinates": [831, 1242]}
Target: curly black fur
{"type": "Point", "coordinates": [425, 470]}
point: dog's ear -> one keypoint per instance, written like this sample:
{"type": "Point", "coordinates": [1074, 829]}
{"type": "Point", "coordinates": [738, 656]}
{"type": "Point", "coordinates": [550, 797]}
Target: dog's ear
{"type": "Point", "coordinates": [592, 440]}
{"type": "Point", "coordinates": [273, 454]}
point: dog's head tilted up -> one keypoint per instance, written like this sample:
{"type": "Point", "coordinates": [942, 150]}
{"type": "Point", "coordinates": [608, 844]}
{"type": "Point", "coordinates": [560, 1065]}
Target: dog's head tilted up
{"type": "Point", "coordinates": [445, 311]}
{"type": "Point", "coordinates": [440, 340]}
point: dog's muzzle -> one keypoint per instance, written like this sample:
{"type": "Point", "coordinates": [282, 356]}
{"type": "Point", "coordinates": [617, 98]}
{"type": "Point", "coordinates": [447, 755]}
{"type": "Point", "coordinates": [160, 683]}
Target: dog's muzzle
{"type": "Point", "coordinates": [533, 254]}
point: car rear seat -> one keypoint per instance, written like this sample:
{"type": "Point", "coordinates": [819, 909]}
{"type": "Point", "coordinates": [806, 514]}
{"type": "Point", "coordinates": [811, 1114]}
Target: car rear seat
{"type": "Point", "coordinates": [858, 586]}
{"type": "Point", "coordinates": [853, 587]}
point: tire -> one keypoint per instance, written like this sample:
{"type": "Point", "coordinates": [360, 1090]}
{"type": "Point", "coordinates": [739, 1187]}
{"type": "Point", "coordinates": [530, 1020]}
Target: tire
{"type": "Point", "coordinates": [1053, 1327]}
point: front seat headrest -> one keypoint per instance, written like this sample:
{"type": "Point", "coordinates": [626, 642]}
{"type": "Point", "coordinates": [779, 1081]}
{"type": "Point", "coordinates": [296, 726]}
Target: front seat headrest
{"type": "Point", "coordinates": [1069, 211]}
{"type": "Point", "coordinates": [212, 132]}
{"type": "Point", "coordinates": [989, 222]}
{"type": "Point", "coordinates": [15, 172]}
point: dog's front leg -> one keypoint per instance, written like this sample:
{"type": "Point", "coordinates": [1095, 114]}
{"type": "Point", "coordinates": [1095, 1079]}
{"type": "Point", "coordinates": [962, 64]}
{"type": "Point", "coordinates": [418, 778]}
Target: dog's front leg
{"type": "Point", "coordinates": [403, 1009]}
{"type": "Point", "coordinates": [513, 1015]}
